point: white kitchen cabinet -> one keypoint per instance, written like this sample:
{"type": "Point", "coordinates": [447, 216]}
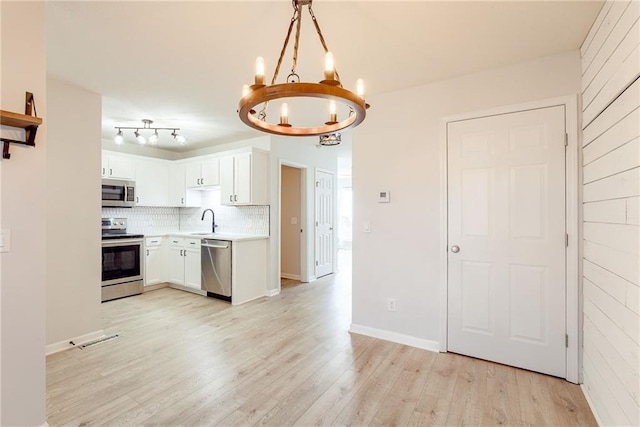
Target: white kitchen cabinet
{"type": "Point", "coordinates": [203, 173]}
{"type": "Point", "coordinates": [184, 262]}
{"type": "Point", "coordinates": [155, 261]}
{"type": "Point", "coordinates": [179, 195]}
{"type": "Point", "coordinates": [117, 166]}
{"type": "Point", "coordinates": [152, 182]}
{"type": "Point", "coordinates": [243, 179]}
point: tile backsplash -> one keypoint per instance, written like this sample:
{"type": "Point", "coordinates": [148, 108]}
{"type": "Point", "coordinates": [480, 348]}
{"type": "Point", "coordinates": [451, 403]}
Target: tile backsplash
{"type": "Point", "coordinates": [229, 219]}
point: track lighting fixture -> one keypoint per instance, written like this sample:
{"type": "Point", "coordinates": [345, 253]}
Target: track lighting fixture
{"type": "Point", "coordinates": [153, 138]}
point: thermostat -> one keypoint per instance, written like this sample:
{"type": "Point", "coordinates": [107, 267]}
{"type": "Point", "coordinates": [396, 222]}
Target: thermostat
{"type": "Point", "coordinates": [384, 197]}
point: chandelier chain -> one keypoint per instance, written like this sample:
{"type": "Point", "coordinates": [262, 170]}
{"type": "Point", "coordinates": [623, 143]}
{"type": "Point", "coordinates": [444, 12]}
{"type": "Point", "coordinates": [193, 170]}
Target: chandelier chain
{"type": "Point", "coordinates": [296, 43]}
{"type": "Point", "coordinates": [322, 41]}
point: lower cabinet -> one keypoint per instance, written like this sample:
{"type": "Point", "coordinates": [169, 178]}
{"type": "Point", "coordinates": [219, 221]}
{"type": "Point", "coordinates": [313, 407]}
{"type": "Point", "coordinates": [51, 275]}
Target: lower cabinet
{"type": "Point", "coordinates": [155, 270]}
{"type": "Point", "coordinates": [184, 262]}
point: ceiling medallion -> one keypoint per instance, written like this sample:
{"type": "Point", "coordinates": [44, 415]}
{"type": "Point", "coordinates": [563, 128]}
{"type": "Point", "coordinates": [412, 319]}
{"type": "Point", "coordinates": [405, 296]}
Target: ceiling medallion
{"type": "Point", "coordinates": [330, 88]}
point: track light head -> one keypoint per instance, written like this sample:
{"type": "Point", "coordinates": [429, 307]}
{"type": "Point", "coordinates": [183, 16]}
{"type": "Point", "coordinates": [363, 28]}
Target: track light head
{"type": "Point", "coordinates": [141, 139]}
{"type": "Point", "coordinates": [119, 139]}
{"type": "Point", "coordinates": [181, 139]}
{"type": "Point", "coordinates": [153, 139]}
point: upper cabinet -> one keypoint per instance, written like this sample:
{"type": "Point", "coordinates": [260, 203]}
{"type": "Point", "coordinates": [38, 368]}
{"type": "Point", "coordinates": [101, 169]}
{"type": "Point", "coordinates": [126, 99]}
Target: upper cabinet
{"type": "Point", "coordinates": [203, 173]}
{"type": "Point", "coordinates": [152, 182]}
{"type": "Point", "coordinates": [179, 195]}
{"type": "Point", "coordinates": [117, 166]}
{"type": "Point", "coordinates": [243, 179]}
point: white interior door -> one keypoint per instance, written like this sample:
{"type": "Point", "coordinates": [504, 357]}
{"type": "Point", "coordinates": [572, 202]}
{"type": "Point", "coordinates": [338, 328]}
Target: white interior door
{"type": "Point", "coordinates": [324, 223]}
{"type": "Point", "coordinates": [506, 239]}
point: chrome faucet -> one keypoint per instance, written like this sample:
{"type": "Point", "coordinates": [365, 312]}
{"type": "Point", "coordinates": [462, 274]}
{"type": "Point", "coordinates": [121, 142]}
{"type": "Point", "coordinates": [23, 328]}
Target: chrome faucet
{"type": "Point", "coordinates": [213, 219]}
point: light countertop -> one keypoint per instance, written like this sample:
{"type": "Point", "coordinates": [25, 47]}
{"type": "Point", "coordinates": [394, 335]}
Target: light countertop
{"type": "Point", "coordinates": [232, 237]}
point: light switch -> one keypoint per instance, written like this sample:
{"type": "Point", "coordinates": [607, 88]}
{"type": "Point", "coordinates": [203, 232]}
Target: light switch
{"type": "Point", "coordinates": [5, 240]}
{"type": "Point", "coordinates": [367, 227]}
{"type": "Point", "coordinates": [294, 220]}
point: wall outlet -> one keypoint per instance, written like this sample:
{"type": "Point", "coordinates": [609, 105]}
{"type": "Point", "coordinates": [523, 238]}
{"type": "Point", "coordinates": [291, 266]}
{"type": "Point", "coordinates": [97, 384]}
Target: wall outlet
{"type": "Point", "coordinates": [366, 227]}
{"type": "Point", "coordinates": [391, 304]}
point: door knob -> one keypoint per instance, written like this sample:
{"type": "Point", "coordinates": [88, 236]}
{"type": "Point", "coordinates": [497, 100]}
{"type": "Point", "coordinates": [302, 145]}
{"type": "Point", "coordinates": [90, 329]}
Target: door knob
{"type": "Point", "coordinates": [455, 249]}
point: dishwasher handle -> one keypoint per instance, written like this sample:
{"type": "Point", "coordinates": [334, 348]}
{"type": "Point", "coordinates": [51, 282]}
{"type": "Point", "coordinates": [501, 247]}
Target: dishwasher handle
{"type": "Point", "coordinates": [206, 245]}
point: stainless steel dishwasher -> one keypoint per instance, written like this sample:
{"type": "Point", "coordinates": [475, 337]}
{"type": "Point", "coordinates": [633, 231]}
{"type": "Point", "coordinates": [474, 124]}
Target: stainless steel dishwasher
{"type": "Point", "coordinates": [216, 268]}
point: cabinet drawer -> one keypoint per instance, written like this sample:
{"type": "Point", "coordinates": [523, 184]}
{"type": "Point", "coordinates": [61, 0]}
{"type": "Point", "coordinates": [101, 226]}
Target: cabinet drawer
{"type": "Point", "coordinates": [176, 241]}
{"type": "Point", "coordinates": [192, 243]}
{"type": "Point", "coordinates": [152, 241]}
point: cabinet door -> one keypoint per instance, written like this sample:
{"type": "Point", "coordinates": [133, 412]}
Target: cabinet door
{"type": "Point", "coordinates": [153, 266]}
{"type": "Point", "coordinates": [177, 185]}
{"type": "Point", "coordinates": [152, 182]}
{"type": "Point", "coordinates": [242, 179]}
{"type": "Point", "coordinates": [211, 172]}
{"type": "Point", "coordinates": [226, 180]}
{"type": "Point", "coordinates": [176, 265]}
{"type": "Point", "coordinates": [105, 165]}
{"type": "Point", "coordinates": [121, 168]}
{"type": "Point", "coordinates": [192, 268]}
{"type": "Point", "coordinates": [193, 174]}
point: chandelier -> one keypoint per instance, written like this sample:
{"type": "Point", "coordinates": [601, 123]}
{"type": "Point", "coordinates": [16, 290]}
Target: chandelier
{"type": "Point", "coordinates": [146, 128]}
{"type": "Point", "coordinates": [330, 89]}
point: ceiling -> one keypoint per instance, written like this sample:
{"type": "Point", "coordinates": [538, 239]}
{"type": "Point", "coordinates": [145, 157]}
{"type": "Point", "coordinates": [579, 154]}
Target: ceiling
{"type": "Point", "coordinates": [183, 64]}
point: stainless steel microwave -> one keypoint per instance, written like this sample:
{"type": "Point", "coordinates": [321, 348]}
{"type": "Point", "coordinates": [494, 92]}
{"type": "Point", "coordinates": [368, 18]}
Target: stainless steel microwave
{"type": "Point", "coordinates": [118, 193]}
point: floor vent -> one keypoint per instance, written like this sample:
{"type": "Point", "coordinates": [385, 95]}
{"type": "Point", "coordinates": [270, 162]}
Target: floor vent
{"type": "Point", "coordinates": [98, 341]}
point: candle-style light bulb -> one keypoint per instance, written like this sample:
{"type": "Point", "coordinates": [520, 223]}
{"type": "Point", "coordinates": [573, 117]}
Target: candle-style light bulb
{"type": "Point", "coordinates": [329, 67]}
{"type": "Point", "coordinates": [259, 70]}
{"type": "Point", "coordinates": [360, 88]}
{"type": "Point", "coordinates": [245, 90]}
{"type": "Point", "coordinates": [333, 116]}
{"type": "Point", "coordinates": [284, 114]}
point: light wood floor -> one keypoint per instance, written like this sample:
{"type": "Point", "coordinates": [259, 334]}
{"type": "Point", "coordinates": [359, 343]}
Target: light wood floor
{"type": "Point", "coordinates": [182, 359]}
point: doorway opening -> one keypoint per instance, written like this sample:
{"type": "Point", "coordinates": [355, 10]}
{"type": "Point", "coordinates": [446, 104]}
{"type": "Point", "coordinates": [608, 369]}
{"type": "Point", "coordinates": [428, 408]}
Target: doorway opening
{"type": "Point", "coordinates": [293, 233]}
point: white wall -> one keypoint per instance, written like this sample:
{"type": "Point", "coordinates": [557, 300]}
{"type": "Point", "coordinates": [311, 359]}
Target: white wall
{"type": "Point", "coordinates": [290, 232]}
{"type": "Point", "coordinates": [73, 259]}
{"type": "Point", "coordinates": [611, 194]}
{"type": "Point", "coordinates": [24, 210]}
{"type": "Point", "coordinates": [301, 151]}
{"type": "Point", "coordinates": [397, 149]}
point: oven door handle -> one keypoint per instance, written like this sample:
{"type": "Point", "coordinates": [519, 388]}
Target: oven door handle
{"type": "Point", "coordinates": [121, 242]}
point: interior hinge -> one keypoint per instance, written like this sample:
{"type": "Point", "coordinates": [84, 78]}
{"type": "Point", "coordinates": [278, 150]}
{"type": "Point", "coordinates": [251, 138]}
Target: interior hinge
{"type": "Point", "coordinates": [316, 223]}
{"type": "Point", "coordinates": [566, 139]}
{"type": "Point", "coordinates": [566, 240]}
{"type": "Point", "coordinates": [566, 340]}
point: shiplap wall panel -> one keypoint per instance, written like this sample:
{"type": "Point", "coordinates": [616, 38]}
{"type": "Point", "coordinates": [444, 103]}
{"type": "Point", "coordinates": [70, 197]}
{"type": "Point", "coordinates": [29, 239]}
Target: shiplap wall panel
{"type": "Point", "coordinates": [609, 65]}
{"type": "Point", "coordinates": [633, 211]}
{"type": "Point", "coordinates": [614, 14]}
{"type": "Point", "coordinates": [614, 285]}
{"type": "Point", "coordinates": [623, 371]}
{"type": "Point", "coordinates": [616, 387]}
{"type": "Point", "coordinates": [626, 103]}
{"type": "Point", "coordinates": [611, 229]}
{"type": "Point", "coordinates": [614, 50]}
{"type": "Point", "coordinates": [622, 263]}
{"type": "Point", "coordinates": [623, 158]}
{"type": "Point", "coordinates": [619, 134]}
{"type": "Point", "coordinates": [616, 236]}
{"type": "Point", "coordinates": [624, 184]}
{"type": "Point", "coordinates": [609, 211]}
{"type": "Point", "coordinates": [594, 28]}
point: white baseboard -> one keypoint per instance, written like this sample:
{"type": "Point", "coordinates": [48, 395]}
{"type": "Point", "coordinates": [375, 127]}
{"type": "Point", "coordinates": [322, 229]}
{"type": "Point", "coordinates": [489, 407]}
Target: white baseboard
{"type": "Point", "coordinates": [395, 337]}
{"type": "Point", "coordinates": [290, 276]}
{"type": "Point", "coordinates": [271, 292]}
{"type": "Point", "coordinates": [591, 405]}
{"type": "Point", "coordinates": [65, 344]}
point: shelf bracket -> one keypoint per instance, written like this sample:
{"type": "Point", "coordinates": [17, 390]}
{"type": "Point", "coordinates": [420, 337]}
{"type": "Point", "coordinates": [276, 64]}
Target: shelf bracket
{"type": "Point", "coordinates": [30, 129]}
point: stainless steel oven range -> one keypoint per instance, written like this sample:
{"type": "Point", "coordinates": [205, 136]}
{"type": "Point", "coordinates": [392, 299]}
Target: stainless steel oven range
{"type": "Point", "coordinates": [122, 260]}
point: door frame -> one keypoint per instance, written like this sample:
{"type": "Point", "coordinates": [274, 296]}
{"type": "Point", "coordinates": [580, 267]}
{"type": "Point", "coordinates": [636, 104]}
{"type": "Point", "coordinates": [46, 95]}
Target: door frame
{"type": "Point", "coordinates": [334, 208]}
{"type": "Point", "coordinates": [304, 224]}
{"type": "Point", "coordinates": [573, 224]}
